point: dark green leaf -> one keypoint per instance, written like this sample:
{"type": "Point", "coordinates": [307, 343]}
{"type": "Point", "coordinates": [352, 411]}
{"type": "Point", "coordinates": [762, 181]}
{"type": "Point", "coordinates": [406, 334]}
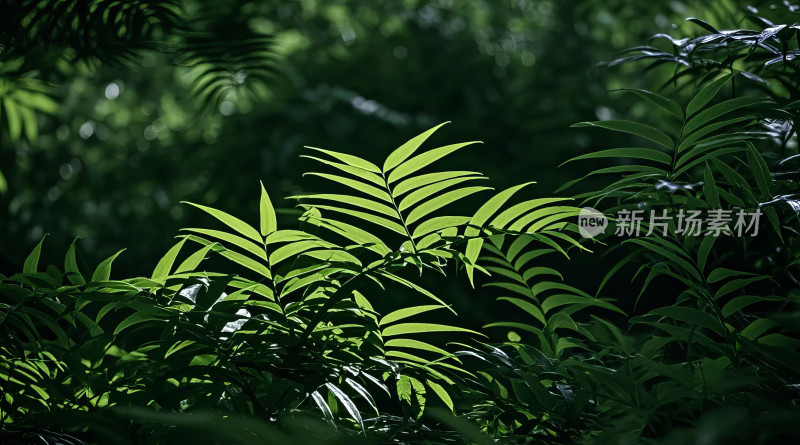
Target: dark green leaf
{"type": "Point", "coordinates": [31, 264]}
{"type": "Point", "coordinates": [636, 128]}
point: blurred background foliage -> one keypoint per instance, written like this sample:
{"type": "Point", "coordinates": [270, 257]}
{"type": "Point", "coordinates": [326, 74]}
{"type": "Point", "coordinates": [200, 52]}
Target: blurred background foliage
{"type": "Point", "coordinates": [113, 113]}
{"type": "Point", "coordinates": [104, 133]}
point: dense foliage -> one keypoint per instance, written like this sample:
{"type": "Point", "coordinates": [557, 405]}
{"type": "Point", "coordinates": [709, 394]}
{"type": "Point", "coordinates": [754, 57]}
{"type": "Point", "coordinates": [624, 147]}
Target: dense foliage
{"type": "Point", "coordinates": [337, 323]}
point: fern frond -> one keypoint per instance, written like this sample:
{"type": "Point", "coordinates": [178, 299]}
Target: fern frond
{"type": "Point", "coordinates": [394, 197]}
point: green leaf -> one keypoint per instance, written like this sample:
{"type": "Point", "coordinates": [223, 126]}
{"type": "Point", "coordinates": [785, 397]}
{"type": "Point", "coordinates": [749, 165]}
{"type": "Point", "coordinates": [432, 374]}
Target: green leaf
{"type": "Point", "coordinates": [758, 166]}
{"type": "Point", "coordinates": [351, 160]}
{"type": "Point", "coordinates": [359, 236]}
{"type": "Point", "coordinates": [506, 272]}
{"type": "Point", "coordinates": [527, 307]}
{"type": "Point", "coordinates": [43, 103]}
{"type": "Point", "coordinates": [700, 132]}
{"type": "Point", "coordinates": [432, 189]}
{"type": "Point", "coordinates": [414, 344]}
{"type": "Point", "coordinates": [231, 221]}
{"type": "Point", "coordinates": [411, 390]}
{"type": "Point", "coordinates": [528, 256]}
{"type": "Point", "coordinates": [29, 123]}
{"type": "Point", "coordinates": [543, 217]}
{"type": "Point", "coordinates": [734, 285]}
{"type": "Point", "coordinates": [736, 178]}
{"type": "Point", "coordinates": [288, 236]}
{"type": "Point", "coordinates": [438, 223]}
{"type": "Point", "coordinates": [71, 267]}
{"type": "Point", "coordinates": [363, 203]}
{"type": "Point", "coordinates": [294, 249]}
{"type": "Point", "coordinates": [441, 393]}
{"type": "Point", "coordinates": [103, 271]}
{"type": "Point", "coordinates": [355, 171]}
{"type": "Point", "coordinates": [517, 210]}
{"type": "Point", "coordinates": [739, 303]}
{"type": "Point", "coordinates": [13, 118]}
{"type": "Point", "coordinates": [668, 105]}
{"type": "Point", "coordinates": [363, 393]}
{"type": "Point", "coordinates": [703, 251]}
{"type": "Point", "coordinates": [348, 404]}
{"type": "Point", "coordinates": [355, 185]}
{"type": "Point", "coordinates": [522, 290]}
{"type": "Point", "coordinates": [429, 178]}
{"type": "Point", "coordinates": [642, 170]}
{"type": "Point", "coordinates": [234, 256]}
{"type": "Point", "coordinates": [635, 153]}
{"type": "Point", "coordinates": [194, 260]}
{"type": "Point", "coordinates": [268, 220]}
{"type": "Point", "coordinates": [705, 95]}
{"type": "Point", "coordinates": [177, 346]}
{"type": "Point", "coordinates": [535, 271]}
{"type": "Point", "coordinates": [521, 326]}
{"type": "Point", "coordinates": [165, 264]}
{"type": "Point", "coordinates": [671, 255]}
{"type": "Point", "coordinates": [407, 312]}
{"type": "Point", "coordinates": [333, 256]}
{"type": "Point", "coordinates": [31, 264]}
{"type": "Point", "coordinates": [381, 221]}
{"type": "Point", "coordinates": [323, 405]}
{"type": "Point", "coordinates": [780, 341]}
{"type": "Point", "coordinates": [719, 110]}
{"type": "Point", "coordinates": [133, 319]}
{"type": "Point", "coordinates": [636, 128]}
{"type": "Point", "coordinates": [421, 328]}
{"type": "Point", "coordinates": [491, 207]}
{"type": "Point", "coordinates": [480, 217]}
{"type": "Point", "coordinates": [722, 273]}
{"type": "Point", "coordinates": [402, 153]}
{"type": "Point", "coordinates": [686, 162]}
{"type": "Point", "coordinates": [690, 315]}
{"type": "Point", "coordinates": [234, 240]}
{"type": "Point", "coordinates": [404, 389]}
{"type": "Point", "coordinates": [758, 327]}
{"type": "Point", "coordinates": [710, 188]}
{"type": "Point", "coordinates": [565, 299]}
{"type": "Point", "coordinates": [440, 201]}
{"type": "Point", "coordinates": [423, 160]}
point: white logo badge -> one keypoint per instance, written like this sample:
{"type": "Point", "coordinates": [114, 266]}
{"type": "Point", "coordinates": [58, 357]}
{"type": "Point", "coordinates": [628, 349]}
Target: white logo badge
{"type": "Point", "coordinates": [591, 222]}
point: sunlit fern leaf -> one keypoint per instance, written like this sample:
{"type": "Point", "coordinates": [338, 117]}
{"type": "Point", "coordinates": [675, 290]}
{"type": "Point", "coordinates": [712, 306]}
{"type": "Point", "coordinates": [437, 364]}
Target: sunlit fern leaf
{"type": "Point", "coordinates": [414, 352]}
{"type": "Point", "coordinates": [480, 218]}
{"type": "Point", "coordinates": [405, 208]}
{"type": "Point", "coordinates": [164, 266]}
{"type": "Point", "coordinates": [103, 270]}
{"type": "Point", "coordinates": [267, 218]}
{"type": "Point", "coordinates": [287, 261]}
{"type": "Point", "coordinates": [360, 237]}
